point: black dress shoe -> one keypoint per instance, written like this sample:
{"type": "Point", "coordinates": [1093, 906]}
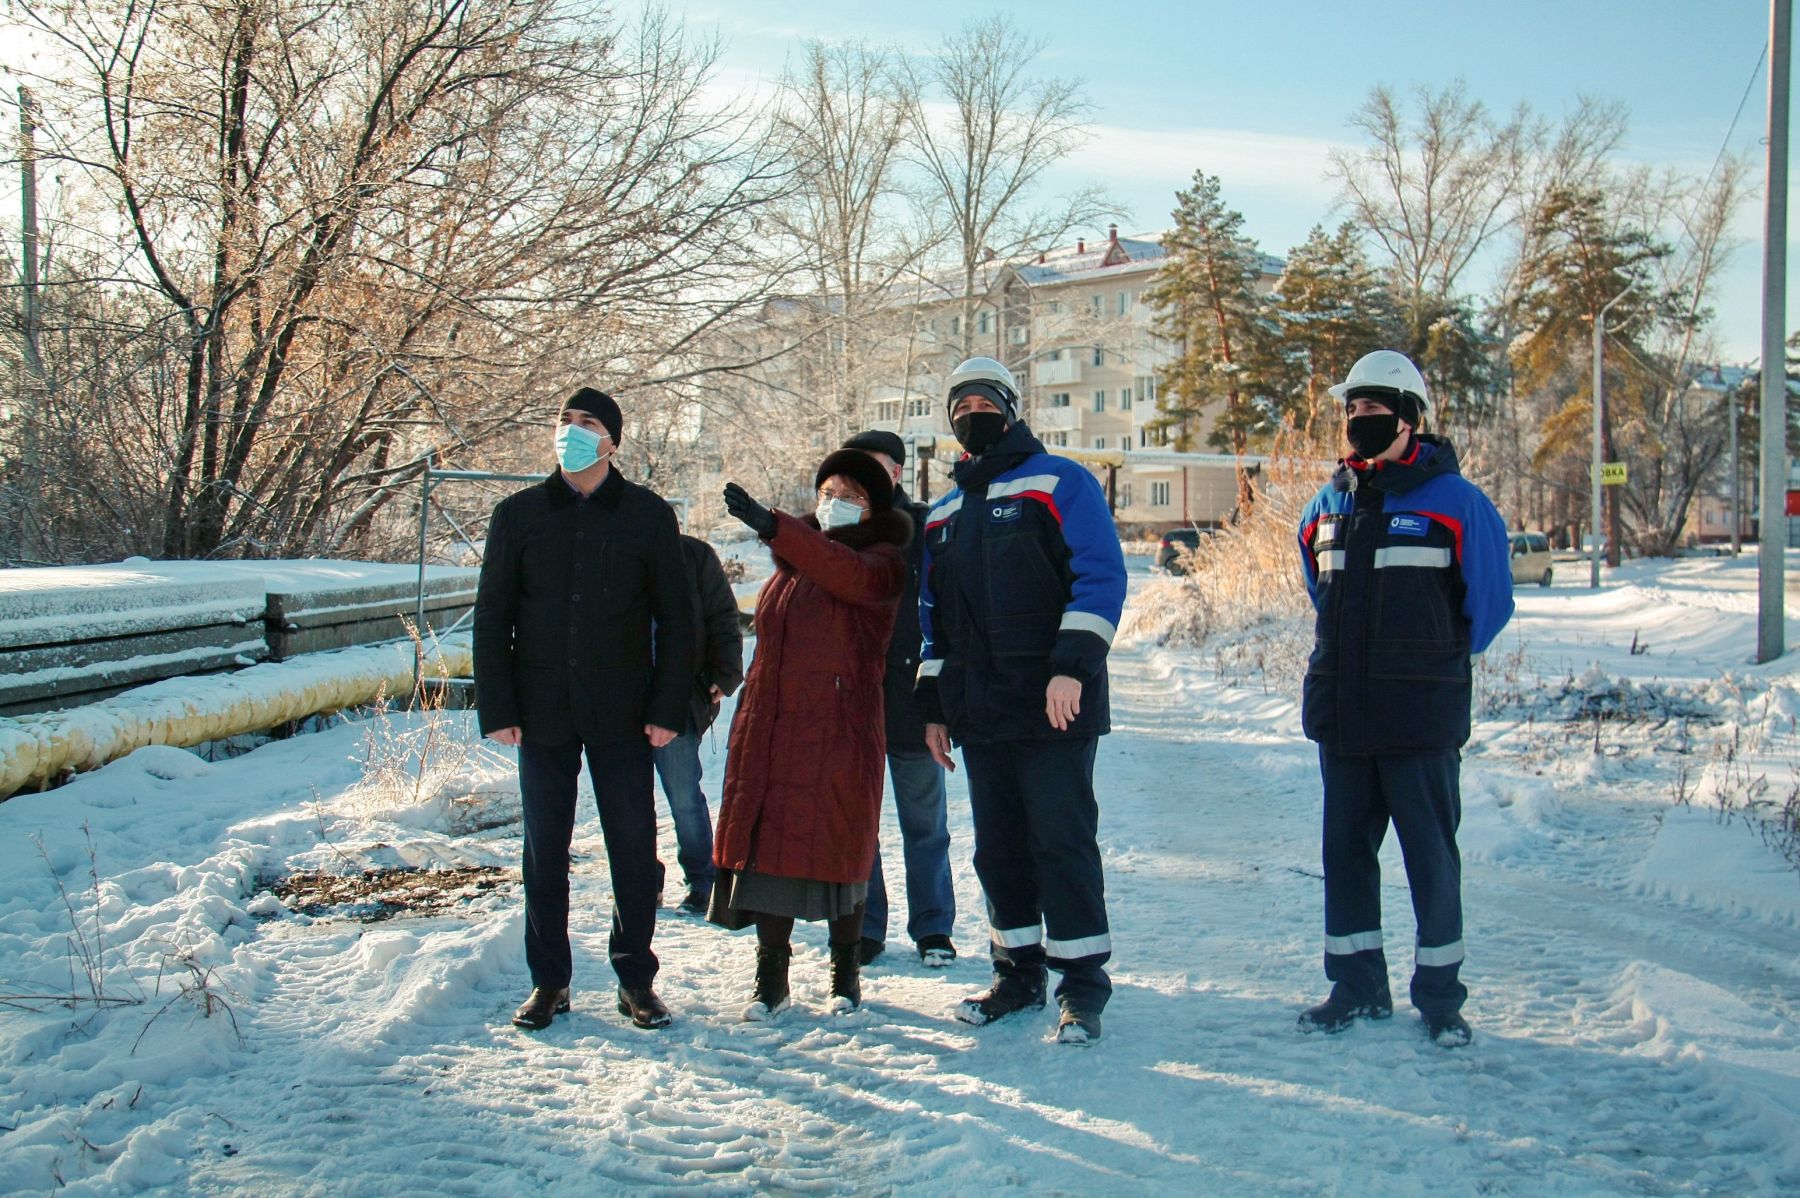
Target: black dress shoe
{"type": "Point", "coordinates": [869, 949]}
{"type": "Point", "coordinates": [543, 1006]}
{"type": "Point", "coordinates": [694, 902]}
{"type": "Point", "coordinates": [644, 1008]}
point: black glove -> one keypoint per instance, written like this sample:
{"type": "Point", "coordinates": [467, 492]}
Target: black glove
{"type": "Point", "coordinates": [759, 518]}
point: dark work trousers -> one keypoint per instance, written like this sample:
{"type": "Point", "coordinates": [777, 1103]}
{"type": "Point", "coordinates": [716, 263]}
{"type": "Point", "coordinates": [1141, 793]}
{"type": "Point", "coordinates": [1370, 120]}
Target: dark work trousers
{"type": "Point", "coordinates": [622, 775]}
{"type": "Point", "coordinates": [1420, 793]}
{"type": "Point", "coordinates": [1038, 858]}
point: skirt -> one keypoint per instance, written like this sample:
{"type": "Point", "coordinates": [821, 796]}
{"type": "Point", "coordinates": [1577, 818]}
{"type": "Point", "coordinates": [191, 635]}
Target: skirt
{"type": "Point", "coordinates": [739, 896]}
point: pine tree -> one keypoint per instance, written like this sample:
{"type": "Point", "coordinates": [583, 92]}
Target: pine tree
{"type": "Point", "coordinates": [1331, 307]}
{"type": "Point", "coordinates": [1206, 305]}
{"type": "Point", "coordinates": [1585, 258]}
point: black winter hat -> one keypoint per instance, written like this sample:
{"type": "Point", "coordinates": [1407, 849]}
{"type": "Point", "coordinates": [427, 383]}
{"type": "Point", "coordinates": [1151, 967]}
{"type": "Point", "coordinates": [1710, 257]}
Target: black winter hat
{"type": "Point", "coordinates": [601, 406]}
{"type": "Point", "coordinates": [864, 471]}
{"type": "Point", "coordinates": [1403, 404]}
{"type": "Point", "coordinates": [877, 441]}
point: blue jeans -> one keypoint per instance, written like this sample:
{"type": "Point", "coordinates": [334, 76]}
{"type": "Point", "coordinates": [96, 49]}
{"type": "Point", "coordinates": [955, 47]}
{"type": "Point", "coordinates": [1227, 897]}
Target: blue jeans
{"type": "Point", "coordinates": [925, 840]}
{"type": "Point", "coordinates": [678, 765]}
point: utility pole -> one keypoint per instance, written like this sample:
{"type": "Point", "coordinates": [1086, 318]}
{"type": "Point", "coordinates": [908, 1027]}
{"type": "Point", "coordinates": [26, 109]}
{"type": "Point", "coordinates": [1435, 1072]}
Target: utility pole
{"type": "Point", "coordinates": [1594, 487]}
{"type": "Point", "coordinates": [1737, 481]}
{"type": "Point", "coordinates": [1772, 530]}
{"type": "Point", "coordinates": [29, 314]}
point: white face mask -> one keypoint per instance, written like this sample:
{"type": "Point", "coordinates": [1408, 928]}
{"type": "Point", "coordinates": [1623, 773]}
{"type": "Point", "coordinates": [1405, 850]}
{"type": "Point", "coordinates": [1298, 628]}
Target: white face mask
{"type": "Point", "coordinates": [835, 513]}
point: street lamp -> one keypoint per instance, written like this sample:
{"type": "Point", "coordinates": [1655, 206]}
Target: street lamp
{"type": "Point", "coordinates": [1599, 409]}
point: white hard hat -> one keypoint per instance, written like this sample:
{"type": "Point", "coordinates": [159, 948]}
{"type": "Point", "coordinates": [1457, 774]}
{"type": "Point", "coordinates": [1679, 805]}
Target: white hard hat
{"type": "Point", "coordinates": [1385, 370]}
{"type": "Point", "coordinates": [988, 377]}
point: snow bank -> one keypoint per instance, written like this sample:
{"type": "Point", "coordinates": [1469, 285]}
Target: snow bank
{"type": "Point", "coordinates": [192, 711]}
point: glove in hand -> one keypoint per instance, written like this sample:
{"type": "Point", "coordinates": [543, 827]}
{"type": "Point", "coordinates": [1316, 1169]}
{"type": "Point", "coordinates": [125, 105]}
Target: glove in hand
{"type": "Point", "coordinates": [760, 519]}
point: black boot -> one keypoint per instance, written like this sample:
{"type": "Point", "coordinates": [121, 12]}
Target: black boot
{"type": "Point", "coordinates": [544, 1005]}
{"type": "Point", "coordinates": [770, 997]}
{"type": "Point", "coordinates": [1021, 991]}
{"type": "Point", "coordinates": [1336, 1014]}
{"type": "Point", "coordinates": [846, 984]}
{"type": "Point", "coordinates": [643, 1008]}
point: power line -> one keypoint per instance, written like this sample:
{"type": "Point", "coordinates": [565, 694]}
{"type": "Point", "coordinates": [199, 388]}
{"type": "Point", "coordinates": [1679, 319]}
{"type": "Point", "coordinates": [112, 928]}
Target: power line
{"type": "Point", "coordinates": [1749, 84]}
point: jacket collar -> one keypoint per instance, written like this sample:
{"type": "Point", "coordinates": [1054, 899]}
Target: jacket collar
{"type": "Point", "coordinates": [1017, 444]}
{"type": "Point", "coordinates": [1429, 457]}
{"type": "Point", "coordinates": [607, 494]}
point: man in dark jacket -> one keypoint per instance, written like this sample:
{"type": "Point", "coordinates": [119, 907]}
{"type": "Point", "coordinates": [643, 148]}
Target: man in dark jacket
{"type": "Point", "coordinates": [919, 795]}
{"type": "Point", "coordinates": [718, 670]}
{"type": "Point", "coordinates": [578, 572]}
{"type": "Point", "coordinates": [1022, 588]}
{"type": "Point", "coordinates": [1406, 562]}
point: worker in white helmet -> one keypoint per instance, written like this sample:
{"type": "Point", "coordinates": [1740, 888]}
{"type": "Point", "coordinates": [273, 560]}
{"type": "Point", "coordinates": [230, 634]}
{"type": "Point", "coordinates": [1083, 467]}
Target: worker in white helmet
{"type": "Point", "coordinates": [1406, 562]}
{"type": "Point", "coordinates": [1021, 588]}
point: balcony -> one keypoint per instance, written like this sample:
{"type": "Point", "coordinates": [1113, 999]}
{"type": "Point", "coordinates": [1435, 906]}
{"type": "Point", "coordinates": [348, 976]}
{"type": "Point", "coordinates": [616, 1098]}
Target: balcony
{"type": "Point", "coordinates": [1046, 419]}
{"type": "Point", "coordinates": [1050, 372]}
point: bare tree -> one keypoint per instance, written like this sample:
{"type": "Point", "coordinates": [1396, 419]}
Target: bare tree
{"type": "Point", "coordinates": [358, 236]}
{"type": "Point", "coordinates": [1433, 186]}
{"type": "Point", "coordinates": [983, 131]}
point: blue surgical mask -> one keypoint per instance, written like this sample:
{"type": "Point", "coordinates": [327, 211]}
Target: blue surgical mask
{"type": "Point", "coordinates": [577, 448]}
{"type": "Point", "coordinates": [835, 513]}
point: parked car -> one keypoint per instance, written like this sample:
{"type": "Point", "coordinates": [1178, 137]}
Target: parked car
{"type": "Point", "coordinates": [1531, 558]}
{"type": "Point", "coordinates": [1177, 543]}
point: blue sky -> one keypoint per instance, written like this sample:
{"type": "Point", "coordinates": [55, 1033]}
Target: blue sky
{"type": "Point", "coordinates": [1257, 93]}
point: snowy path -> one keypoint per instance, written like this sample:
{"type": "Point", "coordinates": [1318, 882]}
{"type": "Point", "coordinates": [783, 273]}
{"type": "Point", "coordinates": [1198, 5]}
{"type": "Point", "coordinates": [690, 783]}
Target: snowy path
{"type": "Point", "coordinates": [1626, 1044]}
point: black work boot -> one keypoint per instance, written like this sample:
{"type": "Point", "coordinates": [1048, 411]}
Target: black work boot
{"type": "Point", "coordinates": [1448, 1030]}
{"type": "Point", "coordinates": [1077, 1026]}
{"type": "Point", "coordinates": [770, 996]}
{"type": "Point", "coordinates": [1010, 992]}
{"type": "Point", "coordinates": [1335, 1014]}
{"type": "Point", "coordinates": [643, 1008]}
{"type": "Point", "coordinates": [846, 986]}
{"type": "Point", "coordinates": [544, 1005]}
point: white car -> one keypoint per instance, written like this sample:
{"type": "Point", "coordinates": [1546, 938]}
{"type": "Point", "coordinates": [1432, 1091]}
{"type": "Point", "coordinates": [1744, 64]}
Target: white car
{"type": "Point", "coordinates": [1531, 558]}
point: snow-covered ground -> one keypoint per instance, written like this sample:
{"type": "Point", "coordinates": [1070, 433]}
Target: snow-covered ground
{"type": "Point", "coordinates": [1633, 966]}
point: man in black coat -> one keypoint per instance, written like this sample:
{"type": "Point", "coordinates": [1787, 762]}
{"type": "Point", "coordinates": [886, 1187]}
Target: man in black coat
{"type": "Point", "coordinates": [718, 671]}
{"type": "Point", "coordinates": [584, 644]}
{"type": "Point", "coordinates": [919, 794]}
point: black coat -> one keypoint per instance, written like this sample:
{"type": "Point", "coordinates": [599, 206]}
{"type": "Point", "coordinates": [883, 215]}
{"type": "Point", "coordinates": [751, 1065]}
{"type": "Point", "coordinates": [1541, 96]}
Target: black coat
{"type": "Point", "coordinates": [905, 723]}
{"type": "Point", "coordinates": [718, 635]}
{"type": "Point", "coordinates": [563, 615]}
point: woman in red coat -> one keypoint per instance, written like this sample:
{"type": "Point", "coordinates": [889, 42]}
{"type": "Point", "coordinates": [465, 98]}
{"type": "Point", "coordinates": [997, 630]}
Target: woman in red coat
{"type": "Point", "coordinates": [797, 824]}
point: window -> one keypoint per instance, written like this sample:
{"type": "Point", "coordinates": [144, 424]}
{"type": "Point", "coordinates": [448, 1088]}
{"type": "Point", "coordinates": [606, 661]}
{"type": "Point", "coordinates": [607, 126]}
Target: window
{"type": "Point", "coordinates": [1144, 437]}
{"type": "Point", "coordinates": [1099, 442]}
{"type": "Point", "coordinates": [1054, 355]}
{"type": "Point", "coordinates": [1125, 442]}
{"type": "Point", "coordinates": [1017, 334]}
{"type": "Point", "coordinates": [1146, 387]}
{"type": "Point", "coordinates": [1059, 399]}
{"type": "Point", "coordinates": [1059, 439]}
{"type": "Point", "coordinates": [1125, 399]}
{"type": "Point", "coordinates": [1124, 494]}
{"type": "Point", "coordinates": [982, 320]}
{"type": "Point", "coordinates": [1099, 401]}
{"type": "Point", "coordinates": [1124, 302]}
{"type": "Point", "coordinates": [1056, 307]}
{"type": "Point", "coordinates": [1099, 356]}
{"type": "Point", "coordinates": [918, 406]}
{"type": "Point", "coordinates": [1099, 304]}
{"type": "Point", "coordinates": [956, 326]}
{"type": "Point", "coordinates": [1159, 494]}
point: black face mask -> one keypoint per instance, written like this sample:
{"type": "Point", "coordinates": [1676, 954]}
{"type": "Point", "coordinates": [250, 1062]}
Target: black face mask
{"type": "Point", "coordinates": [979, 431]}
{"type": "Point", "coordinates": [1371, 435]}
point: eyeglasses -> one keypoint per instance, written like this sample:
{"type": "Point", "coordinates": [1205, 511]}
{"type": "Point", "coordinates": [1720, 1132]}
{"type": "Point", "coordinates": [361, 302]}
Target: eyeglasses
{"type": "Point", "coordinates": [847, 496]}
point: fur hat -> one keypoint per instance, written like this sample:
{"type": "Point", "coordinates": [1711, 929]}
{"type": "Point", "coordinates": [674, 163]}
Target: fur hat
{"type": "Point", "coordinates": [864, 471]}
{"type": "Point", "coordinates": [878, 441]}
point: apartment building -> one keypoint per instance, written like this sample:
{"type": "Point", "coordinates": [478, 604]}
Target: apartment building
{"type": "Point", "coordinates": [1072, 326]}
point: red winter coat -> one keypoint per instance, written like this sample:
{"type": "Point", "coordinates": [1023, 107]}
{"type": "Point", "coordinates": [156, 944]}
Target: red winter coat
{"type": "Point", "coordinates": [807, 750]}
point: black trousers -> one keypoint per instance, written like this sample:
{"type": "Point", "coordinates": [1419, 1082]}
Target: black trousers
{"type": "Point", "coordinates": [1421, 795]}
{"type": "Point", "coordinates": [1037, 854]}
{"type": "Point", "coordinates": [622, 774]}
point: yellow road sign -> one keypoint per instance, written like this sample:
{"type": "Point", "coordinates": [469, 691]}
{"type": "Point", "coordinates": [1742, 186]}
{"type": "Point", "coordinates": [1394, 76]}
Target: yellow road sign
{"type": "Point", "coordinates": [1612, 474]}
